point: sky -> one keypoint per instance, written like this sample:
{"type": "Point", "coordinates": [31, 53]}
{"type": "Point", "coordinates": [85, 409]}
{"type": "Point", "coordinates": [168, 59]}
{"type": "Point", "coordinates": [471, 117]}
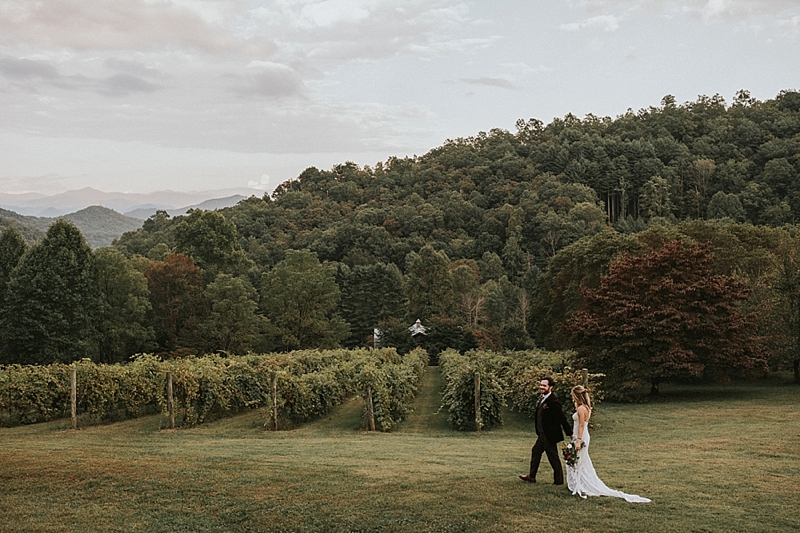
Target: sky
{"type": "Point", "coordinates": [192, 95]}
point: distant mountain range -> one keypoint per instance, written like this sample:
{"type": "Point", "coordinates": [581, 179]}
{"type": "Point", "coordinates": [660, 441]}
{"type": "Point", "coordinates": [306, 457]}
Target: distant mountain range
{"type": "Point", "coordinates": [136, 205]}
{"type": "Point", "coordinates": [98, 214]}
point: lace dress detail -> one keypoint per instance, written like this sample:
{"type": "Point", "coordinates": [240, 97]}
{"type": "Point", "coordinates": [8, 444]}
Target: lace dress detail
{"type": "Point", "coordinates": [582, 478]}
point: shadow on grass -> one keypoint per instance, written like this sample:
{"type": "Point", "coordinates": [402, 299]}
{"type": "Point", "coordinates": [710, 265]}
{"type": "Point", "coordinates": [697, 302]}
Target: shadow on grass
{"type": "Point", "coordinates": [708, 392]}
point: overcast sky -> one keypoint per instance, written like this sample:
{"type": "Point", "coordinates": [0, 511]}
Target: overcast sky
{"type": "Point", "coordinates": [144, 95]}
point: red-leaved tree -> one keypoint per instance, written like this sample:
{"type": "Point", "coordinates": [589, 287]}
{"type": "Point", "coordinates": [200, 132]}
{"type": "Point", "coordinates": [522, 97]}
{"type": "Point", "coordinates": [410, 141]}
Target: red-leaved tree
{"type": "Point", "coordinates": [664, 316]}
{"type": "Point", "coordinates": [176, 294]}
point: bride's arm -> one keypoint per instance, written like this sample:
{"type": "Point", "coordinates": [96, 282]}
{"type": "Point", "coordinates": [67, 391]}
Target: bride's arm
{"type": "Point", "coordinates": [583, 416]}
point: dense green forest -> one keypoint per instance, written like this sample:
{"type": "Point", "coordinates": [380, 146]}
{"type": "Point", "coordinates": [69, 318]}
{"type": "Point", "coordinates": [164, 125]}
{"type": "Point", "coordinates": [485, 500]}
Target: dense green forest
{"type": "Point", "coordinates": [491, 241]}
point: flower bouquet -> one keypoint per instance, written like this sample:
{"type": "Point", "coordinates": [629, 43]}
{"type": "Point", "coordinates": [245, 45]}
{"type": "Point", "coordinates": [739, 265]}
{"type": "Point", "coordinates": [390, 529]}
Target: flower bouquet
{"type": "Point", "coordinates": [570, 452]}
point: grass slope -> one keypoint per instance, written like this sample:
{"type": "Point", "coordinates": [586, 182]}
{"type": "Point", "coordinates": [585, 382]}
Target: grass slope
{"type": "Point", "coordinates": [712, 459]}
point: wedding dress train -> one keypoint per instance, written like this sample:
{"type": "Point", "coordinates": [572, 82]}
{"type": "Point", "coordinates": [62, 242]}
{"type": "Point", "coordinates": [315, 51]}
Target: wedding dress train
{"type": "Point", "coordinates": [582, 479]}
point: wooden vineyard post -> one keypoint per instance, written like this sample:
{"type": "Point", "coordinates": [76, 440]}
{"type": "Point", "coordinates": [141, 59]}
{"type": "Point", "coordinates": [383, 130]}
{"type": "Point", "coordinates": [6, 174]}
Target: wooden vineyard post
{"type": "Point", "coordinates": [585, 378]}
{"type": "Point", "coordinates": [170, 401]}
{"type": "Point", "coordinates": [73, 396]}
{"type": "Point", "coordinates": [370, 410]}
{"type": "Point", "coordinates": [273, 382]}
{"type": "Point", "coordinates": [477, 401]}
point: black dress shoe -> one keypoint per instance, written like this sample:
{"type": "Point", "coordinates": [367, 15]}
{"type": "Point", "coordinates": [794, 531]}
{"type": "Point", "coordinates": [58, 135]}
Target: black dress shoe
{"type": "Point", "coordinates": [529, 479]}
{"type": "Point", "coordinates": [558, 483]}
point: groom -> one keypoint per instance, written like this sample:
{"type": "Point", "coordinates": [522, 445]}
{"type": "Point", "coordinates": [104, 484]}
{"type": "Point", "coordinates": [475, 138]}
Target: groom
{"type": "Point", "coordinates": [549, 421]}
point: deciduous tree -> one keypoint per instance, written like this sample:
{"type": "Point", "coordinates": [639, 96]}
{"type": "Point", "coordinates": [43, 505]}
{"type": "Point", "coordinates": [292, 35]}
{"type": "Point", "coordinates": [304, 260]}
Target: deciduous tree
{"type": "Point", "coordinates": [210, 240]}
{"type": "Point", "coordinates": [232, 324]}
{"type": "Point", "coordinates": [299, 297]}
{"type": "Point", "coordinates": [429, 286]}
{"type": "Point", "coordinates": [122, 322]}
{"type": "Point", "coordinates": [176, 294]}
{"type": "Point", "coordinates": [663, 316]}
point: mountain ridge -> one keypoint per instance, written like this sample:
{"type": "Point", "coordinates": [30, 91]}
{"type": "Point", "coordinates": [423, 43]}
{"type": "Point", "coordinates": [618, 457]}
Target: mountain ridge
{"type": "Point", "coordinates": [99, 225]}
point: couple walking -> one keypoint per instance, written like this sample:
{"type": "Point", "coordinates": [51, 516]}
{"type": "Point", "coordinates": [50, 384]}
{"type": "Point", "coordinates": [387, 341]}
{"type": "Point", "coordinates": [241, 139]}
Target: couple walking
{"type": "Point", "coordinates": [550, 420]}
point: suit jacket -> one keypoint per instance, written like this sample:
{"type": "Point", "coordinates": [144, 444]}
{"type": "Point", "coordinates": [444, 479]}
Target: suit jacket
{"type": "Point", "coordinates": [550, 420]}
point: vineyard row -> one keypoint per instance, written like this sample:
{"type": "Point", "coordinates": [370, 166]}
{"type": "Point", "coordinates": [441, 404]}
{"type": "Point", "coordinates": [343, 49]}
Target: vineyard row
{"type": "Point", "coordinates": [291, 388]}
{"type": "Point", "coordinates": [479, 383]}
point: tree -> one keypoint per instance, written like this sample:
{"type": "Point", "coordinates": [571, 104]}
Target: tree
{"type": "Point", "coordinates": [371, 294]}
{"type": "Point", "coordinates": [787, 283]}
{"type": "Point", "coordinates": [702, 170]}
{"type": "Point", "coordinates": [756, 198]}
{"type": "Point", "coordinates": [557, 292]}
{"type": "Point", "coordinates": [554, 232]}
{"type": "Point", "coordinates": [12, 248]}
{"type": "Point", "coordinates": [210, 240]}
{"type": "Point", "coordinates": [52, 300]}
{"type": "Point", "coordinates": [156, 230]}
{"type": "Point", "coordinates": [232, 324]}
{"type": "Point", "coordinates": [663, 316]}
{"type": "Point", "coordinates": [124, 307]}
{"type": "Point", "coordinates": [502, 301]}
{"type": "Point", "coordinates": [469, 295]}
{"type": "Point", "coordinates": [395, 334]}
{"type": "Point", "coordinates": [491, 266]}
{"type": "Point", "coordinates": [299, 297]}
{"type": "Point", "coordinates": [443, 333]}
{"type": "Point", "coordinates": [513, 256]}
{"type": "Point", "coordinates": [726, 206]}
{"type": "Point", "coordinates": [176, 294]}
{"type": "Point", "coordinates": [506, 310]}
{"type": "Point", "coordinates": [429, 287]}
{"type": "Point", "coordinates": [655, 199]}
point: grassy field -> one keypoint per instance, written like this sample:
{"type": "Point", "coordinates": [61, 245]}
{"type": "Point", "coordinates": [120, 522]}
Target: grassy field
{"type": "Point", "coordinates": [711, 459]}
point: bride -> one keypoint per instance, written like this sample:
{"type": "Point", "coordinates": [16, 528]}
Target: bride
{"type": "Point", "coordinates": [581, 478]}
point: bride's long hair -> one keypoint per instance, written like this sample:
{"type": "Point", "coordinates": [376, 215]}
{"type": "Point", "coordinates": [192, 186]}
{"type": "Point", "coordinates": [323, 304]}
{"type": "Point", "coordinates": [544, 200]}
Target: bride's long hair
{"type": "Point", "coordinates": [581, 396]}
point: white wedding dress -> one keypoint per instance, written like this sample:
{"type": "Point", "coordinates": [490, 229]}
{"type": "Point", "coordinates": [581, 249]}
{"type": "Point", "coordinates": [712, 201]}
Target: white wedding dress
{"type": "Point", "coordinates": [582, 479]}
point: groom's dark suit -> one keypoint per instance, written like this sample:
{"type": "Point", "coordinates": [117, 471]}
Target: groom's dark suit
{"type": "Point", "coordinates": [550, 420]}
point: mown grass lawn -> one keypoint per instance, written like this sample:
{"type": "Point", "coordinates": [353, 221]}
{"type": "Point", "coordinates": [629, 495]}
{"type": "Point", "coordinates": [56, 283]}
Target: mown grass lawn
{"type": "Point", "coordinates": [711, 459]}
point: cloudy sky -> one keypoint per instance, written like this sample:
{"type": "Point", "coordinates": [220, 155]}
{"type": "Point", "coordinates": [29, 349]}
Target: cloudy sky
{"type": "Point", "coordinates": [144, 95]}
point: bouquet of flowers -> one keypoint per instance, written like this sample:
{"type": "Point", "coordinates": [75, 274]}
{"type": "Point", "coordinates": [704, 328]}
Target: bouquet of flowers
{"type": "Point", "coordinates": [570, 452]}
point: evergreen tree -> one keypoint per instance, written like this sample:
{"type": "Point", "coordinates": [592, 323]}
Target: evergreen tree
{"type": "Point", "coordinates": [371, 294]}
{"type": "Point", "coordinates": [491, 266]}
{"type": "Point", "coordinates": [52, 301]}
{"type": "Point", "coordinates": [12, 248]}
{"type": "Point", "coordinates": [655, 199]}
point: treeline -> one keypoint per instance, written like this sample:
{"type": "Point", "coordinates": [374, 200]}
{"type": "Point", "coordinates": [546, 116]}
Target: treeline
{"type": "Point", "coordinates": [488, 240]}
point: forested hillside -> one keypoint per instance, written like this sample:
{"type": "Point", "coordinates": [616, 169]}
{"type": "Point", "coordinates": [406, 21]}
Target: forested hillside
{"type": "Point", "coordinates": [489, 239]}
{"type": "Point", "coordinates": [25, 225]}
{"type": "Point", "coordinates": [99, 225]}
{"type": "Point", "coordinates": [542, 187]}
